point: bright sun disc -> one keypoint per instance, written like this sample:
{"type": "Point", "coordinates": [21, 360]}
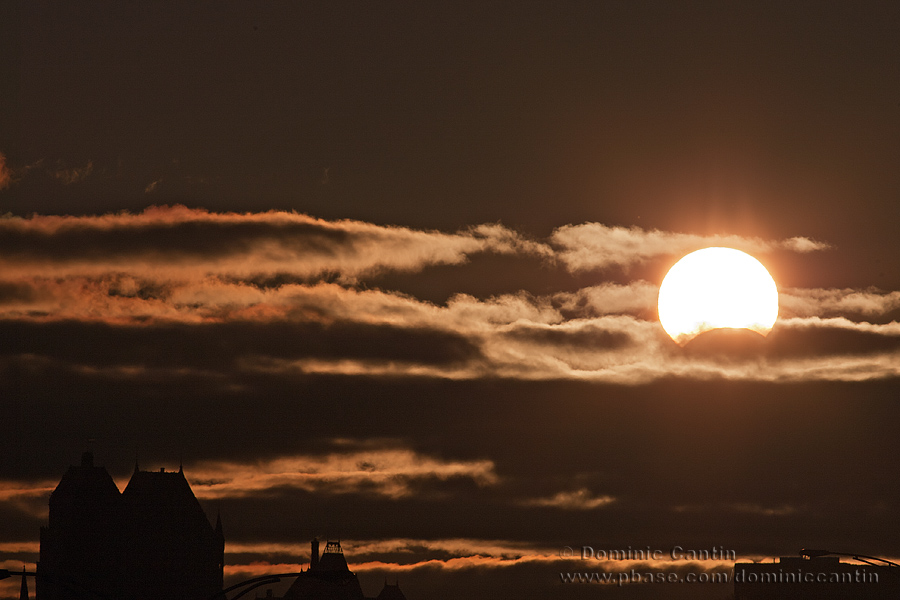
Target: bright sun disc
{"type": "Point", "coordinates": [715, 288]}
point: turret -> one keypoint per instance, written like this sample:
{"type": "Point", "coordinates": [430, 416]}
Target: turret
{"type": "Point", "coordinates": [314, 554]}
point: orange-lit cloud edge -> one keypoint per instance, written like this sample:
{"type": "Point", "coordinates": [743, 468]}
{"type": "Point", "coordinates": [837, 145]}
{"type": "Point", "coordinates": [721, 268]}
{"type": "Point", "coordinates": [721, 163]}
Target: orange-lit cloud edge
{"type": "Point", "coordinates": [109, 269]}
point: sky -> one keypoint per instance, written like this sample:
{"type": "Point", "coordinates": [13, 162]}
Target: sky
{"type": "Point", "coordinates": [387, 273]}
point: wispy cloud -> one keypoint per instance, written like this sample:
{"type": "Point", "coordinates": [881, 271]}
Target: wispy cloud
{"type": "Point", "coordinates": [186, 277]}
{"type": "Point", "coordinates": [817, 302]}
{"type": "Point", "coordinates": [29, 498]}
{"type": "Point", "coordinates": [178, 242]}
{"type": "Point", "coordinates": [384, 472]}
{"type": "Point", "coordinates": [516, 336]}
{"type": "Point", "coordinates": [181, 242]}
{"type": "Point", "coordinates": [581, 499]}
{"type": "Point", "coordinates": [638, 297]}
{"type": "Point", "coordinates": [15, 547]}
{"type": "Point", "coordinates": [403, 547]}
{"type": "Point", "coordinates": [11, 490]}
{"type": "Point", "coordinates": [597, 246]}
{"type": "Point", "coordinates": [69, 175]}
{"type": "Point", "coordinates": [455, 555]}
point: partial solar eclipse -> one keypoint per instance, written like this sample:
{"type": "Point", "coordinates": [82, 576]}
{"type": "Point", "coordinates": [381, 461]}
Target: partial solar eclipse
{"type": "Point", "coordinates": [717, 288]}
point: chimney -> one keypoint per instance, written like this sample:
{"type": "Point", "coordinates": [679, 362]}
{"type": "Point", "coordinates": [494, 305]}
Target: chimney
{"type": "Point", "coordinates": [314, 554]}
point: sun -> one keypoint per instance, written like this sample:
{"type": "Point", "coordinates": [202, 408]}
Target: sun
{"type": "Point", "coordinates": [717, 288]}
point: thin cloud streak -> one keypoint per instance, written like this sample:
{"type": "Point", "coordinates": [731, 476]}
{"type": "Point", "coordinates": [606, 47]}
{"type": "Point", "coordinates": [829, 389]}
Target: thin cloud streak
{"type": "Point", "coordinates": [177, 265]}
{"type": "Point", "coordinates": [649, 357]}
{"type": "Point", "coordinates": [384, 472]}
{"type": "Point", "coordinates": [818, 302]}
{"type": "Point", "coordinates": [15, 547]}
{"type": "Point", "coordinates": [517, 335]}
{"type": "Point", "coordinates": [486, 561]}
{"type": "Point", "coordinates": [610, 298]}
{"type": "Point", "coordinates": [28, 498]}
{"type": "Point", "coordinates": [177, 243]}
{"type": "Point", "coordinates": [406, 546]}
{"type": "Point", "coordinates": [11, 490]}
{"type": "Point", "coordinates": [173, 242]}
{"type": "Point", "coordinates": [597, 246]}
{"type": "Point", "coordinates": [580, 499]}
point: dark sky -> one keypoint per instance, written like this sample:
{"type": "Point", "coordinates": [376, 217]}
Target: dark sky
{"type": "Point", "coordinates": [387, 271]}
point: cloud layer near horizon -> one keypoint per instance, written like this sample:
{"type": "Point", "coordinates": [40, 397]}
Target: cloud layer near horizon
{"type": "Point", "coordinates": [284, 293]}
{"type": "Point", "coordinates": [175, 240]}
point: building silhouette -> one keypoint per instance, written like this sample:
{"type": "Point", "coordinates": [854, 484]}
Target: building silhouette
{"type": "Point", "coordinates": [390, 592]}
{"type": "Point", "coordinates": [150, 542]}
{"type": "Point", "coordinates": [330, 578]}
{"type": "Point", "coordinates": [815, 578]}
{"type": "Point", "coordinates": [23, 587]}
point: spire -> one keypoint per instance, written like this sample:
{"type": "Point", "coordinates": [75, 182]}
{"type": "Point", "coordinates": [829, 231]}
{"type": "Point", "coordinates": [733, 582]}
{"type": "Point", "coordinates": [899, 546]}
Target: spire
{"type": "Point", "coordinates": [219, 530]}
{"type": "Point", "coordinates": [23, 592]}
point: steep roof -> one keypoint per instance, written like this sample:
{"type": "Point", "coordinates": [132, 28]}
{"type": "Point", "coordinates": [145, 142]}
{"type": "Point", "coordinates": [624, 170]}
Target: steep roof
{"type": "Point", "coordinates": [85, 493]}
{"type": "Point", "coordinates": [86, 479]}
{"type": "Point", "coordinates": [390, 592]}
{"type": "Point", "coordinates": [328, 579]}
{"type": "Point", "coordinates": [323, 586]}
{"type": "Point", "coordinates": [162, 497]}
{"type": "Point", "coordinates": [332, 559]}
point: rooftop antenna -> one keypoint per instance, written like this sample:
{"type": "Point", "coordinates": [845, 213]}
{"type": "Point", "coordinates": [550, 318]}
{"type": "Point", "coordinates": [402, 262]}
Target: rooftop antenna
{"type": "Point", "coordinates": [810, 554]}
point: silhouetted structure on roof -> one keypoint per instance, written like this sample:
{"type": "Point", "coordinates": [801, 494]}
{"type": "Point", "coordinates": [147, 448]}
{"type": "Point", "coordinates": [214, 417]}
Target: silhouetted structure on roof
{"type": "Point", "coordinates": [816, 578]}
{"type": "Point", "coordinates": [330, 578]}
{"type": "Point", "coordinates": [150, 542]}
{"type": "Point", "coordinates": [23, 589]}
{"type": "Point", "coordinates": [390, 592]}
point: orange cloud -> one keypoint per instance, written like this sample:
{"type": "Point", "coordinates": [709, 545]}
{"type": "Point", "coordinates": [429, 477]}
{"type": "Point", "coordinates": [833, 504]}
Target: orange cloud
{"type": "Point", "coordinates": [520, 336]}
{"type": "Point", "coordinates": [5, 173]}
{"type": "Point", "coordinates": [70, 175]}
{"type": "Point", "coordinates": [581, 499]}
{"type": "Point", "coordinates": [26, 497]}
{"type": "Point", "coordinates": [170, 243]}
{"type": "Point", "coordinates": [476, 554]}
{"type": "Point", "coordinates": [114, 269]}
{"type": "Point", "coordinates": [386, 472]}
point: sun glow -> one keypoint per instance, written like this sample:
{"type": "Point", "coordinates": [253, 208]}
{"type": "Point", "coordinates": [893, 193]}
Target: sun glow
{"type": "Point", "coordinates": [717, 288]}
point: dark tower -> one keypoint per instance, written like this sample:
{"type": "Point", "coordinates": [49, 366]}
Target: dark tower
{"type": "Point", "coordinates": [329, 579]}
{"type": "Point", "coordinates": [314, 554]}
{"type": "Point", "coordinates": [82, 547]}
{"type": "Point", "coordinates": [172, 550]}
{"type": "Point", "coordinates": [150, 542]}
